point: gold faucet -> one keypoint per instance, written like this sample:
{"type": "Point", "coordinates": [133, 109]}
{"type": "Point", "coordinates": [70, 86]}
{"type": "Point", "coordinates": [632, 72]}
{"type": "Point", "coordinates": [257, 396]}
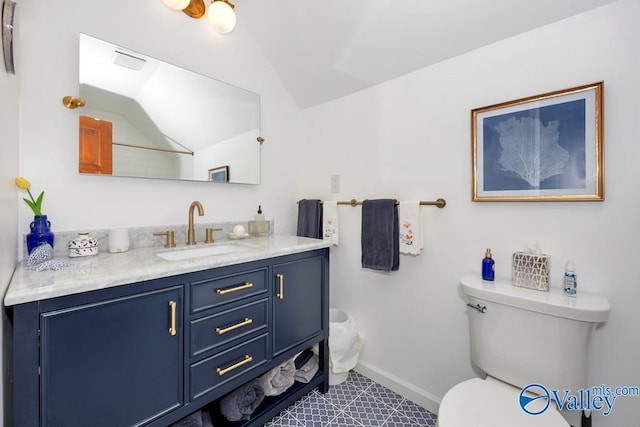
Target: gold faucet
{"type": "Point", "coordinates": [191, 233]}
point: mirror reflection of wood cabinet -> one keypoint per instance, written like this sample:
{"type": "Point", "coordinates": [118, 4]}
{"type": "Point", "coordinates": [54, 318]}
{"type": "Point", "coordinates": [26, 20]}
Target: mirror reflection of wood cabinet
{"type": "Point", "coordinates": [96, 150]}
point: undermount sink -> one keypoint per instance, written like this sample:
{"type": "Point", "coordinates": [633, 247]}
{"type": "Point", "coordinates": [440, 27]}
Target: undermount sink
{"type": "Point", "coordinates": [218, 249]}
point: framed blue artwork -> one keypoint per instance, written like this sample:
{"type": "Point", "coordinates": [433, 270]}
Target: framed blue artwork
{"type": "Point", "coordinates": [219, 174]}
{"type": "Point", "coordinates": [546, 147]}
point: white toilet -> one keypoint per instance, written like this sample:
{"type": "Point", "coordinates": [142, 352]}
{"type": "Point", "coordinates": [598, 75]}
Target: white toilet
{"type": "Point", "coordinates": [521, 337]}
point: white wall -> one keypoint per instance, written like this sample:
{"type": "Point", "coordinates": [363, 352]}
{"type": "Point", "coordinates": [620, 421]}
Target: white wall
{"type": "Point", "coordinates": [49, 135]}
{"type": "Point", "coordinates": [9, 112]}
{"type": "Point", "coordinates": [410, 139]}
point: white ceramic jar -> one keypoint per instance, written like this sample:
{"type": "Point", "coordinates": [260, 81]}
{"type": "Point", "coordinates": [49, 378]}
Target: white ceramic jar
{"type": "Point", "coordinates": [83, 245]}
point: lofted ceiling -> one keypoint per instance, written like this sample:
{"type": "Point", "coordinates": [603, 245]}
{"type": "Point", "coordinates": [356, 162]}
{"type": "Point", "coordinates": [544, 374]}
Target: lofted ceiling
{"type": "Point", "coordinates": [323, 50]}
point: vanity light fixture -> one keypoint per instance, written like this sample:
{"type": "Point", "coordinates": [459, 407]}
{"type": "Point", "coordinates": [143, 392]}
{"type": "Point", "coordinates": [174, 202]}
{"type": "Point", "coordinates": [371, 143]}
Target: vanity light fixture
{"type": "Point", "coordinates": [220, 14]}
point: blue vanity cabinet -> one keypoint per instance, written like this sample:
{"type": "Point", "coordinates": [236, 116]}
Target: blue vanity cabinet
{"type": "Point", "coordinates": [150, 353]}
{"type": "Point", "coordinates": [112, 363]}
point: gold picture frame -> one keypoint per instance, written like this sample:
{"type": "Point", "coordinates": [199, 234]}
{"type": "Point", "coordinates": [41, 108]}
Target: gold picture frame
{"type": "Point", "coordinates": [546, 147]}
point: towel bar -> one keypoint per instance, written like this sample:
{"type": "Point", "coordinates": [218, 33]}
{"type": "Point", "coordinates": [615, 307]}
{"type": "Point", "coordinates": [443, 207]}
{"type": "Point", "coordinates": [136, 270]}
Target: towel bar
{"type": "Point", "coordinates": [441, 203]}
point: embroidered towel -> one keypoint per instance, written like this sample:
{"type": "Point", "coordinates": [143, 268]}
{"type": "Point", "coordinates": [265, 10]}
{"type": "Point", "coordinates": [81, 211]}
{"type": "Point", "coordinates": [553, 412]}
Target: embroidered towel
{"type": "Point", "coordinates": [379, 236]}
{"type": "Point", "coordinates": [411, 242]}
{"type": "Point", "coordinates": [330, 222]}
{"type": "Point", "coordinates": [309, 219]}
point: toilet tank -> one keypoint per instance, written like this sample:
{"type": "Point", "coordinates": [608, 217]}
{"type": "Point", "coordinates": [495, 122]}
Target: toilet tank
{"type": "Point", "coordinates": [527, 336]}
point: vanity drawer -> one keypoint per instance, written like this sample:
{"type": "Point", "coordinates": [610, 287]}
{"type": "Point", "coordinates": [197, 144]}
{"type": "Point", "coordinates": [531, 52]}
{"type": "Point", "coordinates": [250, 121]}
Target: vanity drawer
{"type": "Point", "coordinates": [225, 366]}
{"type": "Point", "coordinates": [212, 292]}
{"type": "Point", "coordinates": [221, 328]}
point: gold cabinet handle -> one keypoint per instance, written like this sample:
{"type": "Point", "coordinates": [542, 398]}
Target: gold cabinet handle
{"type": "Point", "coordinates": [245, 322]}
{"type": "Point", "coordinates": [172, 329]}
{"type": "Point", "coordinates": [222, 371]}
{"type": "Point", "coordinates": [280, 293]}
{"type": "Point", "coordinates": [246, 285]}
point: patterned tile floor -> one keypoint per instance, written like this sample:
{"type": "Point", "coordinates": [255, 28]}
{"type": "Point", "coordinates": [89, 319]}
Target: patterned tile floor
{"type": "Point", "coordinates": [358, 402]}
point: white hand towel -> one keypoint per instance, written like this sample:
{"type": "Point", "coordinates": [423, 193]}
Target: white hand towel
{"type": "Point", "coordinates": [330, 222]}
{"type": "Point", "coordinates": [411, 241]}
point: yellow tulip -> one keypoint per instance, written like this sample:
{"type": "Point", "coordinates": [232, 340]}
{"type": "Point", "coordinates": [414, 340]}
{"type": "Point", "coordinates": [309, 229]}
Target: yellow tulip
{"type": "Point", "coordinates": [34, 204]}
{"type": "Point", "coordinates": [23, 183]}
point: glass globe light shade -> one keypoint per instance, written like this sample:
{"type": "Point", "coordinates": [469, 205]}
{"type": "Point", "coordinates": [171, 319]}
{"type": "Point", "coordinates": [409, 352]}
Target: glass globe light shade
{"type": "Point", "coordinates": [221, 16]}
{"type": "Point", "coordinates": [176, 4]}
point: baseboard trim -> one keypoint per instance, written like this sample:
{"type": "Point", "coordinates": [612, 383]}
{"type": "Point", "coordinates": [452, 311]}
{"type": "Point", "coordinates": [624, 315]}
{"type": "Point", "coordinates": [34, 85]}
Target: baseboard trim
{"type": "Point", "coordinates": [400, 386]}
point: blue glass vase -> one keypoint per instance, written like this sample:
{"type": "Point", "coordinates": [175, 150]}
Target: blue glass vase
{"type": "Point", "coordinates": [40, 233]}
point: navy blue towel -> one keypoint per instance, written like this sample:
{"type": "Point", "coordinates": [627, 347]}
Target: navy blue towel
{"type": "Point", "coordinates": [310, 218]}
{"type": "Point", "coordinates": [380, 235]}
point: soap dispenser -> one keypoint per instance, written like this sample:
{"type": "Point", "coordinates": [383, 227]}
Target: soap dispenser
{"type": "Point", "coordinates": [259, 226]}
{"type": "Point", "coordinates": [259, 216]}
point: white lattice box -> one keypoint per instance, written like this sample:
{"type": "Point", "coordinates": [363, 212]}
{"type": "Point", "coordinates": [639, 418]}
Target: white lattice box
{"type": "Point", "coordinates": [530, 271]}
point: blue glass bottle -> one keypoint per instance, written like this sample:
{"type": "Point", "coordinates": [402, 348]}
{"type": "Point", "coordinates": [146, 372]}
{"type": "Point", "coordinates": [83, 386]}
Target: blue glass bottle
{"type": "Point", "coordinates": [40, 233]}
{"type": "Point", "coordinates": [488, 266]}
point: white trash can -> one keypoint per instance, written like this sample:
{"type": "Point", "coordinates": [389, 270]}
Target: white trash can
{"type": "Point", "coordinates": [344, 346]}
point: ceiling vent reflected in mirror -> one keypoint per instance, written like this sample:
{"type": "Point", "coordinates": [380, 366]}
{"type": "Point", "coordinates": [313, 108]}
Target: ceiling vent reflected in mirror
{"type": "Point", "coordinates": [127, 60]}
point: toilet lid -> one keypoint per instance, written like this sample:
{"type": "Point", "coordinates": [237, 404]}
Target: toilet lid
{"type": "Point", "coordinates": [481, 403]}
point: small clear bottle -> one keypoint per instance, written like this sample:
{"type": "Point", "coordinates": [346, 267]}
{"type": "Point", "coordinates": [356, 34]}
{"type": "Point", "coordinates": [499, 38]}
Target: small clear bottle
{"type": "Point", "coordinates": [570, 279]}
{"type": "Point", "coordinates": [488, 266]}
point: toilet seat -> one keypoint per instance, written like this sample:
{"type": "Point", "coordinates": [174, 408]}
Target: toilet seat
{"type": "Point", "coordinates": [489, 403]}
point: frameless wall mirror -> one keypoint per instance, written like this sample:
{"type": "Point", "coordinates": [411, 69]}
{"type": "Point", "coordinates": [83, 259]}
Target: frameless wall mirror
{"type": "Point", "coordinates": [146, 118]}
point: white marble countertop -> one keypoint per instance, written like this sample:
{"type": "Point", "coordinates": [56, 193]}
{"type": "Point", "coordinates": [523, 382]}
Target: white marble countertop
{"type": "Point", "coordinates": [106, 269]}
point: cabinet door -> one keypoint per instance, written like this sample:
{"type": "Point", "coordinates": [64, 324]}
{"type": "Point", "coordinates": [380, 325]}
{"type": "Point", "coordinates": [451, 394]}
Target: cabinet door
{"type": "Point", "coordinates": [298, 301]}
{"type": "Point", "coordinates": [112, 363]}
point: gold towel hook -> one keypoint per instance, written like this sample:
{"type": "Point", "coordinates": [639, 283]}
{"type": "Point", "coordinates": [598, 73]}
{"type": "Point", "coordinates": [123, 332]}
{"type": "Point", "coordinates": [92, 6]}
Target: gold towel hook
{"type": "Point", "coordinates": [72, 102]}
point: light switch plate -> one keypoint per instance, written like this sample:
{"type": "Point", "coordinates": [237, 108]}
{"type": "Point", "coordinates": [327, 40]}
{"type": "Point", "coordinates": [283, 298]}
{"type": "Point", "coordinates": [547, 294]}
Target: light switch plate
{"type": "Point", "coordinates": [335, 183]}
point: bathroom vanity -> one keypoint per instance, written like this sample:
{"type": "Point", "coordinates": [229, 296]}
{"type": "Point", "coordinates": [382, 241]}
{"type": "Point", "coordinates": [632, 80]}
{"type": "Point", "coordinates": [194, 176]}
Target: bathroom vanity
{"type": "Point", "coordinates": [90, 347]}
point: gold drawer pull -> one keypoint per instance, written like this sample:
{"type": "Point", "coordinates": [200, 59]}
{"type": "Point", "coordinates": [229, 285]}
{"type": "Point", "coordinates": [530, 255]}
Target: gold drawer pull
{"type": "Point", "coordinates": [222, 371]}
{"type": "Point", "coordinates": [280, 293]}
{"type": "Point", "coordinates": [246, 285]}
{"type": "Point", "coordinates": [245, 322]}
{"type": "Point", "coordinates": [172, 329]}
